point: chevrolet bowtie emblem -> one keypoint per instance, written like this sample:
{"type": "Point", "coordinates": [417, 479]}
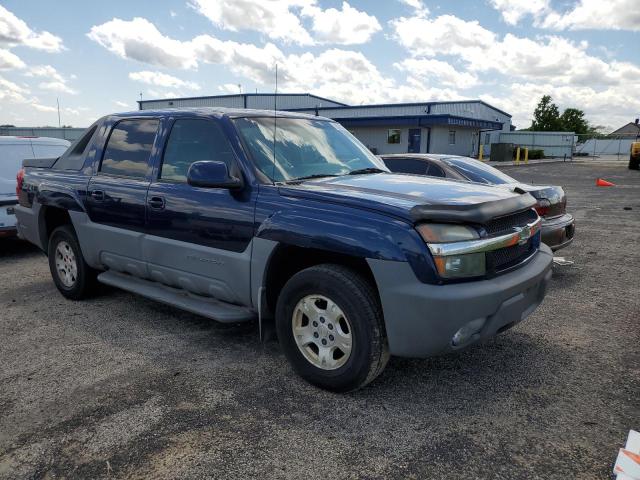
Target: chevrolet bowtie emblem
{"type": "Point", "coordinates": [524, 233]}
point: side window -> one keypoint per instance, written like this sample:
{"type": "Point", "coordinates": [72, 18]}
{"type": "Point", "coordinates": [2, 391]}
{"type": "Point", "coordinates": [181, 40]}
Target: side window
{"type": "Point", "coordinates": [435, 170]}
{"type": "Point", "coordinates": [192, 140]}
{"type": "Point", "coordinates": [452, 137]}
{"type": "Point", "coordinates": [129, 148]}
{"type": "Point", "coordinates": [406, 165]}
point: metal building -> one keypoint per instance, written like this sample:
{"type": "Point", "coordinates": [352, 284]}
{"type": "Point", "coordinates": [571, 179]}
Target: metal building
{"type": "Point", "coordinates": [554, 144]}
{"type": "Point", "coordinates": [70, 134]}
{"type": "Point", "coordinates": [433, 127]}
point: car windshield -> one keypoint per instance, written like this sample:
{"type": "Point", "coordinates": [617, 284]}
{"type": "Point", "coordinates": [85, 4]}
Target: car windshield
{"type": "Point", "coordinates": [304, 148]}
{"type": "Point", "coordinates": [477, 171]}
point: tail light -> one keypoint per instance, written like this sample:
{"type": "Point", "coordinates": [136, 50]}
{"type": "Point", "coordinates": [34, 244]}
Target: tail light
{"type": "Point", "coordinates": [542, 207]}
{"type": "Point", "coordinates": [19, 181]}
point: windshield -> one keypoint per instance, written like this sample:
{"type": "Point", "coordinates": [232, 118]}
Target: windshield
{"type": "Point", "coordinates": [477, 171]}
{"type": "Point", "coordinates": [304, 148]}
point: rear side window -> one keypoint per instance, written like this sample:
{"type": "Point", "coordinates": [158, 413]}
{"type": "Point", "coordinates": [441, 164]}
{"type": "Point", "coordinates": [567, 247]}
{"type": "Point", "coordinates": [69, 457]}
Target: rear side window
{"type": "Point", "coordinates": [435, 171]}
{"type": "Point", "coordinates": [74, 159]}
{"type": "Point", "coordinates": [129, 148]}
{"type": "Point", "coordinates": [406, 165]}
{"type": "Point", "coordinates": [192, 140]}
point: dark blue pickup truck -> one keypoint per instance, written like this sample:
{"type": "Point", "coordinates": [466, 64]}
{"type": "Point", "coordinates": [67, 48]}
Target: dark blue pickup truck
{"type": "Point", "coordinates": [239, 215]}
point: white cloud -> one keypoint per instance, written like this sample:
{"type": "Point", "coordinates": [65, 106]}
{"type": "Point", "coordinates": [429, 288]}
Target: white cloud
{"type": "Point", "coordinates": [121, 104]}
{"type": "Point", "coordinates": [515, 10]}
{"type": "Point", "coordinates": [419, 8]}
{"type": "Point", "coordinates": [12, 91]}
{"type": "Point", "coordinates": [45, 71]}
{"type": "Point", "coordinates": [584, 14]}
{"type": "Point", "coordinates": [56, 86]}
{"type": "Point", "coordinates": [274, 18]}
{"type": "Point", "coordinates": [611, 107]}
{"type": "Point", "coordinates": [443, 35]}
{"type": "Point", "coordinates": [140, 40]}
{"type": "Point", "coordinates": [437, 70]}
{"type": "Point", "coordinates": [598, 15]}
{"type": "Point", "coordinates": [162, 80]}
{"type": "Point", "coordinates": [550, 58]}
{"type": "Point", "coordinates": [54, 81]}
{"type": "Point", "coordinates": [281, 20]}
{"type": "Point", "coordinates": [346, 26]}
{"type": "Point", "coordinates": [14, 31]}
{"type": "Point", "coordinates": [520, 70]}
{"type": "Point", "coordinates": [9, 61]}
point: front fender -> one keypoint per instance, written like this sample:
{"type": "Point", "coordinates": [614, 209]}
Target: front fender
{"type": "Point", "coordinates": [342, 229]}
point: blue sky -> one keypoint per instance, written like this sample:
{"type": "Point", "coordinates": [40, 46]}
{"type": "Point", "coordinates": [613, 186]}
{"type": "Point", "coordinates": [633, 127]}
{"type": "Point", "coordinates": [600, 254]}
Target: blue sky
{"type": "Point", "coordinates": [97, 57]}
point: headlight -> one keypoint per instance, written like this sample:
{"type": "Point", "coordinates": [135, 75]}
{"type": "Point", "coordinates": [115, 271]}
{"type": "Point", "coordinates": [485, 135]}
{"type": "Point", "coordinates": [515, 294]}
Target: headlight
{"type": "Point", "coordinates": [454, 265]}
{"type": "Point", "coordinates": [444, 233]}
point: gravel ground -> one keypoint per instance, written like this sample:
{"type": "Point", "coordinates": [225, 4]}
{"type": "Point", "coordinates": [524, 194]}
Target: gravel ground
{"type": "Point", "coordinates": [119, 386]}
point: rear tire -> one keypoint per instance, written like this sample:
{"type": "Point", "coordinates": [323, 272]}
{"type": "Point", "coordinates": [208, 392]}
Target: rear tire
{"type": "Point", "coordinates": [339, 342]}
{"type": "Point", "coordinates": [73, 277]}
{"type": "Point", "coordinates": [634, 164]}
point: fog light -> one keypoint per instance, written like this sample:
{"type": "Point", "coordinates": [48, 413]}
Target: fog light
{"type": "Point", "coordinates": [463, 335]}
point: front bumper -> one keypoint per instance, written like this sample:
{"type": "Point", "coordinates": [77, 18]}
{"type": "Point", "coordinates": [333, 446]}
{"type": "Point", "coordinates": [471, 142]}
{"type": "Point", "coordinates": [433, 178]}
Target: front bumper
{"type": "Point", "coordinates": [558, 232]}
{"type": "Point", "coordinates": [421, 319]}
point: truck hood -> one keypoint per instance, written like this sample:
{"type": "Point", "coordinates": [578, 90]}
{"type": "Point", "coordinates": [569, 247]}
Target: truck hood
{"type": "Point", "coordinates": [414, 198]}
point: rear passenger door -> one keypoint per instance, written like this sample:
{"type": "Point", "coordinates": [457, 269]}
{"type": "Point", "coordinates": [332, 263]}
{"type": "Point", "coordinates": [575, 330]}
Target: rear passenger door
{"type": "Point", "coordinates": [116, 195]}
{"type": "Point", "coordinates": [199, 238]}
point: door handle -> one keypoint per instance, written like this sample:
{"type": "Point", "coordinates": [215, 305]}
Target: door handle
{"type": "Point", "coordinates": [157, 203]}
{"type": "Point", "coordinates": [97, 195]}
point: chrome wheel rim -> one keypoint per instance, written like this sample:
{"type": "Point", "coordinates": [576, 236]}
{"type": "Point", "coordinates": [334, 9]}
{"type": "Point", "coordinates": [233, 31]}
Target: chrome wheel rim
{"type": "Point", "coordinates": [322, 332]}
{"type": "Point", "coordinates": [66, 265]}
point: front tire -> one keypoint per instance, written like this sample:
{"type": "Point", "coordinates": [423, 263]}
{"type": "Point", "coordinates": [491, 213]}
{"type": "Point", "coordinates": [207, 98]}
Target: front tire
{"type": "Point", "coordinates": [73, 277]}
{"type": "Point", "coordinates": [330, 325]}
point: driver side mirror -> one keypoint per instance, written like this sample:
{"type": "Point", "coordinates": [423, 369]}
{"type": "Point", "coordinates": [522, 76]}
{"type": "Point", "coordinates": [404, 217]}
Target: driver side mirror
{"type": "Point", "coordinates": [212, 174]}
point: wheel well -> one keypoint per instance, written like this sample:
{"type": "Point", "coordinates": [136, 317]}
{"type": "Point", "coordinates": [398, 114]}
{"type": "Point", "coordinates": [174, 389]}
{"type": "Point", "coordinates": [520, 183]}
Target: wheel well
{"type": "Point", "coordinates": [53, 218]}
{"type": "Point", "coordinates": [288, 260]}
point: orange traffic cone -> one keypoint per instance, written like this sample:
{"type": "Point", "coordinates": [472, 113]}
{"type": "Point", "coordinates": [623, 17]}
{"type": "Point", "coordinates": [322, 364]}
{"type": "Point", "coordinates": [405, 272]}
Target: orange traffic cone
{"type": "Point", "coordinates": [603, 183]}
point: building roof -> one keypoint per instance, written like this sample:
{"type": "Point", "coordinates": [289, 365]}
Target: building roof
{"type": "Point", "coordinates": [243, 95]}
{"type": "Point", "coordinates": [335, 104]}
{"type": "Point", "coordinates": [629, 128]}
{"type": "Point", "coordinates": [409, 104]}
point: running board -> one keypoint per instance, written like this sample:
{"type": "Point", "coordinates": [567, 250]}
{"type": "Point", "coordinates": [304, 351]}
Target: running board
{"type": "Point", "coordinates": [207, 307]}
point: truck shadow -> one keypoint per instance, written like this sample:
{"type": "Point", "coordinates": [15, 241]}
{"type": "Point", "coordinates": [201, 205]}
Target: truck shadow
{"type": "Point", "coordinates": [14, 248]}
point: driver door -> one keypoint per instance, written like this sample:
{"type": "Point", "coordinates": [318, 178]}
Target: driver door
{"type": "Point", "coordinates": [198, 239]}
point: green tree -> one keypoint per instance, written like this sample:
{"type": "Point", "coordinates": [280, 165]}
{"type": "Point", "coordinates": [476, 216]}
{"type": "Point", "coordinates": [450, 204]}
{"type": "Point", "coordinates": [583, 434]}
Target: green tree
{"type": "Point", "coordinates": [572, 120]}
{"type": "Point", "coordinates": [546, 116]}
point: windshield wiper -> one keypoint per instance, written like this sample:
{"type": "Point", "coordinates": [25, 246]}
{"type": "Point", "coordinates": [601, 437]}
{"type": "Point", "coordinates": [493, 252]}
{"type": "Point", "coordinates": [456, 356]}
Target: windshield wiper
{"type": "Point", "coordinates": [309, 177]}
{"type": "Point", "coordinates": [366, 170]}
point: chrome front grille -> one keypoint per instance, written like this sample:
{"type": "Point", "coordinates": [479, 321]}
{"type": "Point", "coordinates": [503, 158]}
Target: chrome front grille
{"type": "Point", "coordinates": [506, 224]}
{"type": "Point", "coordinates": [508, 257]}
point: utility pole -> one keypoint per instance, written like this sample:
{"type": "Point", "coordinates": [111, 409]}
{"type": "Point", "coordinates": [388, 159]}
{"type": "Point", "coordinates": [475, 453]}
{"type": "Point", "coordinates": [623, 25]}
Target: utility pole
{"type": "Point", "coordinates": [240, 88]}
{"type": "Point", "coordinates": [58, 103]}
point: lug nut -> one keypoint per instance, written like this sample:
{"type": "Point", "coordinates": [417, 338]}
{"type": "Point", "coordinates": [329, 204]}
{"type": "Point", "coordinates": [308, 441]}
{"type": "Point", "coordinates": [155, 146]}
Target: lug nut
{"type": "Point", "coordinates": [324, 341]}
{"type": "Point", "coordinates": [315, 324]}
{"type": "Point", "coordinates": [321, 319]}
{"type": "Point", "coordinates": [330, 326]}
{"type": "Point", "coordinates": [331, 337]}
{"type": "Point", "coordinates": [315, 334]}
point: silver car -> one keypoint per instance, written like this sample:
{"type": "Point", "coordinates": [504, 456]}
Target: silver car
{"type": "Point", "coordinates": [558, 226]}
{"type": "Point", "coordinates": [12, 151]}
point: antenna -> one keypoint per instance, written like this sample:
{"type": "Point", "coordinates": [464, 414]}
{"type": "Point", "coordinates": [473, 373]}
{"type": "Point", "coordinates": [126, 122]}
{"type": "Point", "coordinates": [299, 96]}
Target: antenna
{"type": "Point", "coordinates": [275, 120]}
{"type": "Point", "coordinates": [58, 103]}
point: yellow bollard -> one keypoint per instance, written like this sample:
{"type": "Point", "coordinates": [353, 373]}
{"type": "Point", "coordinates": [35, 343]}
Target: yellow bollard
{"type": "Point", "coordinates": [480, 152]}
{"type": "Point", "coordinates": [526, 155]}
{"type": "Point", "coordinates": [518, 156]}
